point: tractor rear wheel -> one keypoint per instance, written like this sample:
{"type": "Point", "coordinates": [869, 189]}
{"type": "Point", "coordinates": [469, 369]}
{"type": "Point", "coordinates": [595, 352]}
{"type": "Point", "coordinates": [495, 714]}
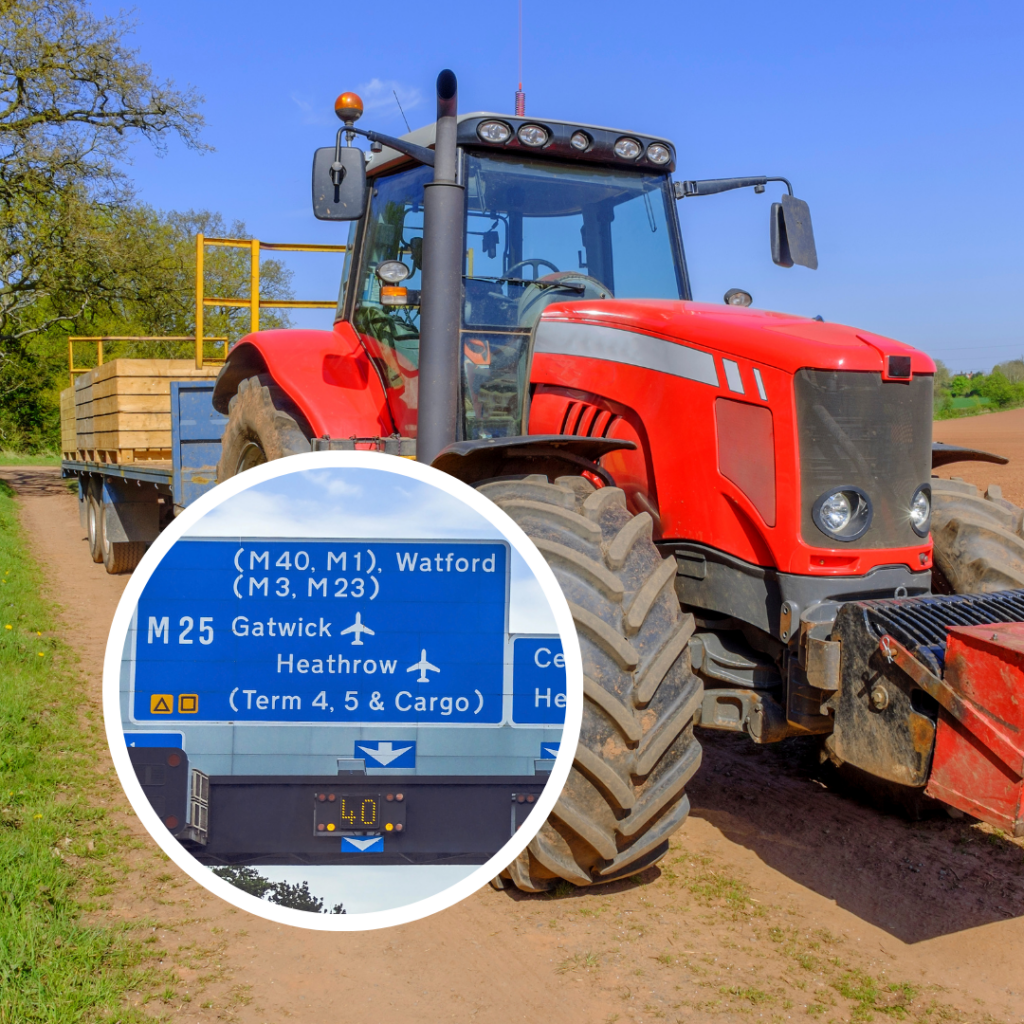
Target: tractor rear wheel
{"type": "Point", "coordinates": [626, 792]}
{"type": "Point", "coordinates": [979, 539]}
{"type": "Point", "coordinates": [263, 424]}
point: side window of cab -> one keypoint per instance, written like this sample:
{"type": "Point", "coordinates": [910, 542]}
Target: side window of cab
{"type": "Point", "coordinates": [391, 329]}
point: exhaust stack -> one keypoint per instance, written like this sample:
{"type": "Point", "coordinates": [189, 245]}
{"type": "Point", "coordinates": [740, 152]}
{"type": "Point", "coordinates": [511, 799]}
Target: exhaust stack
{"type": "Point", "coordinates": [441, 308]}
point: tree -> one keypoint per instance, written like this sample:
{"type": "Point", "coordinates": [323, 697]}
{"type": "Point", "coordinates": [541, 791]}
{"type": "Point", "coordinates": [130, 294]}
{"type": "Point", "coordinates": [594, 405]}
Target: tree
{"type": "Point", "coordinates": [148, 289]}
{"type": "Point", "coordinates": [286, 894]}
{"type": "Point", "coordinates": [1012, 370]}
{"type": "Point", "coordinates": [72, 98]}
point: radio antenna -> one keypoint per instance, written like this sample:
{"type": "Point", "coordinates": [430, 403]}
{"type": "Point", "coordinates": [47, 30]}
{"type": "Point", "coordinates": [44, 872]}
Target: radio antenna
{"type": "Point", "coordinates": [520, 95]}
{"type": "Point", "coordinates": [399, 102]}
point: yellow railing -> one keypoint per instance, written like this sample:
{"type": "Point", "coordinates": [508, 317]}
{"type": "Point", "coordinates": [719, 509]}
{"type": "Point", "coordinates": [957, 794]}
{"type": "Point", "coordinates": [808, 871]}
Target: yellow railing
{"type": "Point", "coordinates": [252, 302]}
{"type": "Point", "coordinates": [98, 342]}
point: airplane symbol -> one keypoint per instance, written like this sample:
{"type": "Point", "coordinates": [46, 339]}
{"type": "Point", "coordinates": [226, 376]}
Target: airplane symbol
{"type": "Point", "coordinates": [358, 628]}
{"type": "Point", "coordinates": [384, 752]}
{"type": "Point", "coordinates": [423, 665]}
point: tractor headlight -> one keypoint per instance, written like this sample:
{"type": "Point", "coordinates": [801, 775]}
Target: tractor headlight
{"type": "Point", "coordinates": [627, 148]}
{"type": "Point", "coordinates": [658, 154]}
{"type": "Point", "coordinates": [533, 135]}
{"type": "Point", "coordinates": [580, 141]}
{"type": "Point", "coordinates": [494, 131]}
{"type": "Point", "coordinates": [921, 510]}
{"type": "Point", "coordinates": [843, 514]}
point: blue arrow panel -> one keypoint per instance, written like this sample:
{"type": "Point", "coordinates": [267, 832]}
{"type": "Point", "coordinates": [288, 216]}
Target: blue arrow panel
{"type": "Point", "coordinates": [386, 753]}
{"type": "Point", "coordinates": [352, 632]}
{"type": "Point", "coordinates": [538, 681]}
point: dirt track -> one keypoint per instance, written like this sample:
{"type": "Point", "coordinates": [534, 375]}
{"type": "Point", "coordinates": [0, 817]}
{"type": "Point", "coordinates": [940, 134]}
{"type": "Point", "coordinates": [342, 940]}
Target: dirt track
{"type": "Point", "coordinates": [999, 432]}
{"type": "Point", "coordinates": [779, 899]}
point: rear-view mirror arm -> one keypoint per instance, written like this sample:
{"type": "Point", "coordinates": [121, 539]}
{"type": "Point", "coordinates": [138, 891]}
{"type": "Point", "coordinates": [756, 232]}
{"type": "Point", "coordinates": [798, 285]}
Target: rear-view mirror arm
{"type": "Point", "coordinates": [418, 153]}
{"type": "Point", "coordinates": [710, 186]}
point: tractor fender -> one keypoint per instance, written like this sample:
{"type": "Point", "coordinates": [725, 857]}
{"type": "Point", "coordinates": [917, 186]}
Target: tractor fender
{"type": "Point", "coordinates": [327, 374]}
{"type": "Point", "coordinates": [551, 454]}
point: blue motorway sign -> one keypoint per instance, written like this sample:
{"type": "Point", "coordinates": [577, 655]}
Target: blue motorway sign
{"type": "Point", "coordinates": [342, 632]}
{"type": "Point", "coordinates": [538, 681]}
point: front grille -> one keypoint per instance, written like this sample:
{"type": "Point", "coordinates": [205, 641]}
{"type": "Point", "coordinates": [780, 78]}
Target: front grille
{"type": "Point", "coordinates": [856, 429]}
{"type": "Point", "coordinates": [919, 623]}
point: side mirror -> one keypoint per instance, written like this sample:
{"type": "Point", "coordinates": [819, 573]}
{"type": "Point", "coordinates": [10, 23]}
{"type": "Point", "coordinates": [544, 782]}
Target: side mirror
{"type": "Point", "coordinates": [792, 235]}
{"type": "Point", "coordinates": [339, 186]}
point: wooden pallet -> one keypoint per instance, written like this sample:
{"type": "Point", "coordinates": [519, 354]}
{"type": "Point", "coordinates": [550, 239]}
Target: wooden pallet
{"type": "Point", "coordinates": [121, 411]}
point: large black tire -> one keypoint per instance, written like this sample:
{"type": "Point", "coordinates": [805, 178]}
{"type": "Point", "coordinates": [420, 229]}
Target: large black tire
{"type": "Point", "coordinates": [263, 425]}
{"type": "Point", "coordinates": [121, 556]}
{"type": "Point", "coordinates": [626, 793]}
{"type": "Point", "coordinates": [94, 522]}
{"type": "Point", "coordinates": [979, 540]}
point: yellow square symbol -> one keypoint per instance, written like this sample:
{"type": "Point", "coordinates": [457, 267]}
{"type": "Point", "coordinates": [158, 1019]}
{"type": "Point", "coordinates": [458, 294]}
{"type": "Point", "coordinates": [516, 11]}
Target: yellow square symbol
{"type": "Point", "coordinates": [188, 703]}
{"type": "Point", "coordinates": [161, 703]}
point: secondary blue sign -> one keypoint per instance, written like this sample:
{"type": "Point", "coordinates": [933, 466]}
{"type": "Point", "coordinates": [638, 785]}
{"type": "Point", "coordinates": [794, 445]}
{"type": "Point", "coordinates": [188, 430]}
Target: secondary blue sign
{"type": "Point", "coordinates": [370, 844]}
{"type": "Point", "coordinates": [155, 739]}
{"type": "Point", "coordinates": [347, 632]}
{"type": "Point", "coordinates": [538, 681]}
{"type": "Point", "coordinates": [387, 753]}
{"type": "Point", "coordinates": [549, 751]}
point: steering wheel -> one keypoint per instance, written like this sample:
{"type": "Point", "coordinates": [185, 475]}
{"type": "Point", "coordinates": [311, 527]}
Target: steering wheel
{"type": "Point", "coordinates": [535, 263]}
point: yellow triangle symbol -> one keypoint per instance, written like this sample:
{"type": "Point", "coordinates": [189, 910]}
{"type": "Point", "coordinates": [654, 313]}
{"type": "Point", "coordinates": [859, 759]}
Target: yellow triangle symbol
{"type": "Point", "coordinates": [159, 704]}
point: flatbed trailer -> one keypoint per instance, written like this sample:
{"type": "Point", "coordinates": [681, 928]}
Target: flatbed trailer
{"type": "Point", "coordinates": [123, 505]}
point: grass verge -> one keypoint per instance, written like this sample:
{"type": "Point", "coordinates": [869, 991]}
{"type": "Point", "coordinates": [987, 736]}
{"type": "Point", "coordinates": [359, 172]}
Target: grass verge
{"type": "Point", "coordinates": [21, 459]}
{"type": "Point", "coordinates": [56, 844]}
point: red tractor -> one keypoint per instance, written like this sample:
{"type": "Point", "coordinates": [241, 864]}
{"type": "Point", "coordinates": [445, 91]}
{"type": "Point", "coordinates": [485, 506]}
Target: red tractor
{"type": "Point", "coordinates": [736, 502]}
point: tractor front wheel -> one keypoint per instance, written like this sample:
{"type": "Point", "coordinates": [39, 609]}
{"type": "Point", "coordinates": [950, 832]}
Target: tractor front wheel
{"type": "Point", "coordinates": [263, 424]}
{"type": "Point", "coordinates": [626, 793]}
{"type": "Point", "coordinates": [978, 538]}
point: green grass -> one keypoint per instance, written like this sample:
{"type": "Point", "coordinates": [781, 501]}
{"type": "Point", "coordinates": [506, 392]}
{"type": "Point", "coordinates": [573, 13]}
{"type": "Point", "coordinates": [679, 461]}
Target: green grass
{"type": "Point", "coordinates": [21, 459]}
{"type": "Point", "coordinates": [57, 848]}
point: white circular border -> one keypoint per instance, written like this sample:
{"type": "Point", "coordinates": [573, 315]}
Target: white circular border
{"type": "Point", "coordinates": [378, 918]}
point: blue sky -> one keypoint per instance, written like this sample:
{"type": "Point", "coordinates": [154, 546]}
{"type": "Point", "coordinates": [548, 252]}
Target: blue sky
{"type": "Point", "coordinates": [899, 122]}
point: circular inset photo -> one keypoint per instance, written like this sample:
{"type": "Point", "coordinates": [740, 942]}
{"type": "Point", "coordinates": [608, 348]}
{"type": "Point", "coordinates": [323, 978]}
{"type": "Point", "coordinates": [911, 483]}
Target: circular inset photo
{"type": "Point", "coordinates": [343, 690]}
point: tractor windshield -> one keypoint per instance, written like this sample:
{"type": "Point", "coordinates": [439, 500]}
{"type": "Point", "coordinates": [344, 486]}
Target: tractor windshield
{"type": "Point", "coordinates": [537, 232]}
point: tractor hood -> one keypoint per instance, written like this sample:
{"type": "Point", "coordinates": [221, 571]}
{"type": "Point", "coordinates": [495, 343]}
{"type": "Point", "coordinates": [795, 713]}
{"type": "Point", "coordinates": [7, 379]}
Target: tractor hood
{"type": "Point", "coordinates": [780, 340]}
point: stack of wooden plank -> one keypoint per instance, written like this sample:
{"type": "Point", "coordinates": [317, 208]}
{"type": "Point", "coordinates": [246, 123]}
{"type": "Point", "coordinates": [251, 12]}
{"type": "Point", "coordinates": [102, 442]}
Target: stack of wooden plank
{"type": "Point", "coordinates": [121, 411]}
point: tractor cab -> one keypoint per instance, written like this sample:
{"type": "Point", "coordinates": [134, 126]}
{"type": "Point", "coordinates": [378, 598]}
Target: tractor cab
{"type": "Point", "coordinates": [554, 212]}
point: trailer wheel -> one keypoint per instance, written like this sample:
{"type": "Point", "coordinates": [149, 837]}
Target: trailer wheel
{"type": "Point", "coordinates": [626, 792]}
{"type": "Point", "coordinates": [94, 520]}
{"type": "Point", "coordinates": [979, 540]}
{"type": "Point", "coordinates": [119, 557]}
{"type": "Point", "coordinates": [263, 425]}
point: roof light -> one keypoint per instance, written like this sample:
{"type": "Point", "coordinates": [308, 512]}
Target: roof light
{"type": "Point", "coordinates": [580, 141]}
{"type": "Point", "coordinates": [533, 135]}
{"type": "Point", "coordinates": [627, 148]}
{"type": "Point", "coordinates": [392, 271]}
{"type": "Point", "coordinates": [738, 297]}
{"type": "Point", "coordinates": [493, 131]}
{"type": "Point", "coordinates": [658, 154]}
